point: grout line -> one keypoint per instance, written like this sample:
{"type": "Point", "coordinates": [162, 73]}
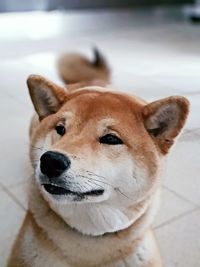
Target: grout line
{"type": "Point", "coordinates": [1, 187]}
{"type": "Point", "coordinates": [12, 196]}
{"type": "Point", "coordinates": [180, 196]}
{"type": "Point", "coordinates": [15, 184]}
{"type": "Point", "coordinates": [176, 218]}
{"type": "Point", "coordinates": [18, 184]}
{"type": "Point", "coordinates": [21, 182]}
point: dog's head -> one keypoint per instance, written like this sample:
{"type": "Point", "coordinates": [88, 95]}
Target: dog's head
{"type": "Point", "coordinates": [96, 153]}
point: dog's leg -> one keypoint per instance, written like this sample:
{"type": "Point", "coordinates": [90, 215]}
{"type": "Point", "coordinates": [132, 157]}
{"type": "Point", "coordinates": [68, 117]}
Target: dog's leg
{"type": "Point", "coordinates": [146, 255]}
{"type": "Point", "coordinates": [34, 249]}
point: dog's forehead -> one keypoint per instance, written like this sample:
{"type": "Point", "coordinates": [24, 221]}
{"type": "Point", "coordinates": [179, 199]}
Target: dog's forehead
{"type": "Point", "coordinates": [102, 103]}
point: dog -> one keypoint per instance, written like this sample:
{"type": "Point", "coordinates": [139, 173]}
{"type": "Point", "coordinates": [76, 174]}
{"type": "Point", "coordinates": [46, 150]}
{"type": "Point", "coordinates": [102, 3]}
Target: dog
{"type": "Point", "coordinates": [98, 157]}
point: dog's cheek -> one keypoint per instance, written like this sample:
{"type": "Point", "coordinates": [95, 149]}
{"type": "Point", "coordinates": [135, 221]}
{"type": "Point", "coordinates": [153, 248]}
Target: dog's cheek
{"type": "Point", "coordinates": [132, 178]}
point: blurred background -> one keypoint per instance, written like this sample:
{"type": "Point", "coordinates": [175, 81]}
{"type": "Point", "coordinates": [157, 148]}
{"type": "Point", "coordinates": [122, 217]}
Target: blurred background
{"type": "Point", "coordinates": [153, 48]}
{"type": "Point", "coordinates": [23, 5]}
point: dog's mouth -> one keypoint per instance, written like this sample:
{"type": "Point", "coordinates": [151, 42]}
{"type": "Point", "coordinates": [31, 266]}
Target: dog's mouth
{"type": "Point", "coordinates": [57, 190]}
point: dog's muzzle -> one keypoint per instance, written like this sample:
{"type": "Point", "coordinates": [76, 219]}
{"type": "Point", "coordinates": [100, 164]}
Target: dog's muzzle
{"type": "Point", "coordinates": [52, 166]}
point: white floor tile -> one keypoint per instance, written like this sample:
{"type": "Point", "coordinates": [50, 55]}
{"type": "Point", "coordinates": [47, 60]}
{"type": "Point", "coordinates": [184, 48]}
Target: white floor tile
{"type": "Point", "coordinates": [15, 120]}
{"type": "Point", "coordinates": [179, 241]}
{"type": "Point", "coordinates": [20, 192]}
{"type": "Point", "coordinates": [171, 207]}
{"type": "Point", "coordinates": [183, 170]}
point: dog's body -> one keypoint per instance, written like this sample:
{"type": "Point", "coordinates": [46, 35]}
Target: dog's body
{"type": "Point", "coordinates": [58, 245]}
{"type": "Point", "coordinates": [98, 159]}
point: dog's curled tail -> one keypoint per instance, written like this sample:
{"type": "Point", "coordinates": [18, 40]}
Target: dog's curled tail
{"type": "Point", "coordinates": [75, 68]}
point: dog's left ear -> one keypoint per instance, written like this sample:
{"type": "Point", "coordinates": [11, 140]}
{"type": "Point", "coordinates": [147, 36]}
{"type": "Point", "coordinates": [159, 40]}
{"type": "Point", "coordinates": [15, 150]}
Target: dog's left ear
{"type": "Point", "coordinates": [164, 119]}
{"type": "Point", "coordinates": [46, 96]}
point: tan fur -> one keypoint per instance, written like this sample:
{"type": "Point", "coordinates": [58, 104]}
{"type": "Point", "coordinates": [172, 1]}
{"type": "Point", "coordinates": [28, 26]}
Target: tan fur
{"type": "Point", "coordinates": [46, 238]}
{"type": "Point", "coordinates": [107, 250]}
{"type": "Point", "coordinates": [75, 68]}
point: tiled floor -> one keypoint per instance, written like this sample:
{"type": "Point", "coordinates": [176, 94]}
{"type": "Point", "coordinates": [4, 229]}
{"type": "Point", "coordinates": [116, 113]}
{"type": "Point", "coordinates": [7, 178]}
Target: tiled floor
{"type": "Point", "coordinates": [152, 55]}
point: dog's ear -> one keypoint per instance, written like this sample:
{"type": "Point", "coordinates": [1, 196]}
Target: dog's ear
{"type": "Point", "coordinates": [164, 119]}
{"type": "Point", "coordinates": [47, 97]}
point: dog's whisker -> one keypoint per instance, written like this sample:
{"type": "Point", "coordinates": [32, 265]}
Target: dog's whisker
{"type": "Point", "coordinates": [100, 176]}
{"type": "Point", "coordinates": [39, 148]}
{"type": "Point", "coordinates": [122, 193]}
{"type": "Point", "coordinates": [97, 175]}
{"type": "Point", "coordinates": [93, 179]}
{"type": "Point", "coordinates": [89, 183]}
{"type": "Point", "coordinates": [116, 189]}
{"type": "Point", "coordinates": [87, 189]}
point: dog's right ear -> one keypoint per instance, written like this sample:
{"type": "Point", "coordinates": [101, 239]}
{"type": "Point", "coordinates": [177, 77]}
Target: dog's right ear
{"type": "Point", "coordinates": [164, 119]}
{"type": "Point", "coordinates": [47, 97]}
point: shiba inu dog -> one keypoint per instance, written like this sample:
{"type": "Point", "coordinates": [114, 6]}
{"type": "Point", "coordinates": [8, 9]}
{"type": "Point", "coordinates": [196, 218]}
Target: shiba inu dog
{"type": "Point", "coordinates": [98, 157]}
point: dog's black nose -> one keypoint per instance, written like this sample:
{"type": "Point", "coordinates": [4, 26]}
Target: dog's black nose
{"type": "Point", "coordinates": [53, 164]}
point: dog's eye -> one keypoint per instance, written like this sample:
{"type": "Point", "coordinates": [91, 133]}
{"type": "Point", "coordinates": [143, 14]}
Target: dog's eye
{"type": "Point", "coordinates": [60, 129]}
{"type": "Point", "coordinates": [110, 139]}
